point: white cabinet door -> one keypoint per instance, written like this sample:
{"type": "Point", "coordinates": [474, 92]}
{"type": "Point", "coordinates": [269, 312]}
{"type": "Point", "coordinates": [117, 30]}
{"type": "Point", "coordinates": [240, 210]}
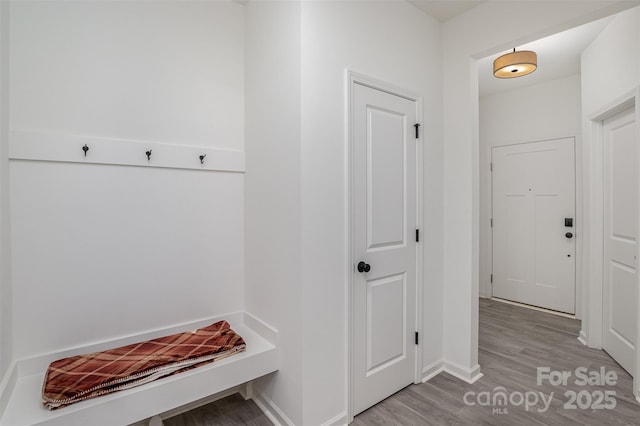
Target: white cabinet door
{"type": "Point", "coordinates": [533, 249]}
{"type": "Point", "coordinates": [384, 223]}
{"type": "Point", "coordinates": [620, 238]}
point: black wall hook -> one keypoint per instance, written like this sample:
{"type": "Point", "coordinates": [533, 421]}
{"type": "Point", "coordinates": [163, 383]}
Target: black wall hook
{"type": "Point", "coordinates": [148, 155]}
{"type": "Point", "coordinates": [85, 148]}
{"type": "Point", "coordinates": [202, 157]}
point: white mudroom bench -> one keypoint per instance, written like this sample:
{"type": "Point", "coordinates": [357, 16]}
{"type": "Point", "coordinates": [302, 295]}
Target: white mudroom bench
{"type": "Point", "coordinates": [20, 392]}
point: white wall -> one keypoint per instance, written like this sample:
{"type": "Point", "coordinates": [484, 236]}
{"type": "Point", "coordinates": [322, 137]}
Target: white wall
{"type": "Point", "coordinates": [273, 194]}
{"type": "Point", "coordinates": [6, 341]}
{"type": "Point", "coordinates": [100, 251]}
{"type": "Point", "coordinates": [610, 68]}
{"type": "Point", "coordinates": [544, 111]}
{"type": "Point", "coordinates": [161, 71]}
{"type": "Point", "coordinates": [296, 181]}
{"type": "Point", "coordinates": [394, 42]}
{"type": "Point", "coordinates": [95, 245]}
{"type": "Point", "coordinates": [483, 30]}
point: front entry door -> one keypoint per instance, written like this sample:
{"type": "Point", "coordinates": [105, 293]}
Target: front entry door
{"type": "Point", "coordinates": [534, 224]}
{"type": "Point", "coordinates": [620, 238]}
{"type": "Point", "coordinates": [384, 246]}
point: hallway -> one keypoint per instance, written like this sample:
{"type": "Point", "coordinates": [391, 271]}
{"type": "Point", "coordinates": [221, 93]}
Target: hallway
{"type": "Point", "coordinates": [514, 341]}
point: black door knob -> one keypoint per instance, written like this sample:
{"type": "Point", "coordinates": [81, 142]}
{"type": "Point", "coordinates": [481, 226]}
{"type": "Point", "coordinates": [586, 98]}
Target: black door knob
{"type": "Point", "coordinates": [364, 267]}
{"type": "Point", "coordinates": [569, 235]}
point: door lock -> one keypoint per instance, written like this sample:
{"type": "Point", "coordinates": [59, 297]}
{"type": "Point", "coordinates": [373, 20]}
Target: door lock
{"type": "Point", "coordinates": [364, 267]}
{"type": "Point", "coordinates": [569, 235]}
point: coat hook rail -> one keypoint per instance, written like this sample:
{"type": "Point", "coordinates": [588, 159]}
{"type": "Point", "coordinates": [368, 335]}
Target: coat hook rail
{"type": "Point", "coordinates": [38, 145]}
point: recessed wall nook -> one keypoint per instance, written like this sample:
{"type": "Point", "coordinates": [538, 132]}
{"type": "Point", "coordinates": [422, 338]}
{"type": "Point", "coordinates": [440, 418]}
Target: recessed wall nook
{"type": "Point", "coordinates": [164, 165]}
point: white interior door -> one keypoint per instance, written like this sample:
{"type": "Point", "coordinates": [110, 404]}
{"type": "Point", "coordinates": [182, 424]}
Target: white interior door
{"type": "Point", "coordinates": [384, 223]}
{"type": "Point", "coordinates": [620, 238]}
{"type": "Point", "coordinates": [533, 245]}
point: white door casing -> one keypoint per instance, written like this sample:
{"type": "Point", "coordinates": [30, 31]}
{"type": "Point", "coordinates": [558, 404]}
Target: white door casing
{"type": "Point", "coordinates": [533, 248]}
{"type": "Point", "coordinates": [384, 219]}
{"type": "Point", "coordinates": [620, 238]}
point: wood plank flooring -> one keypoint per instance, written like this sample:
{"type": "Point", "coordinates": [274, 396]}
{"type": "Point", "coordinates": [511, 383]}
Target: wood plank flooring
{"type": "Point", "coordinates": [513, 343]}
{"type": "Point", "coordinates": [232, 410]}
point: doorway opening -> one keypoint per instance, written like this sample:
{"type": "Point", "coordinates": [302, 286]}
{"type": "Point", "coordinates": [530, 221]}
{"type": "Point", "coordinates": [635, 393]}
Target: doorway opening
{"type": "Point", "coordinates": [510, 127]}
{"type": "Point", "coordinates": [385, 215]}
{"type": "Point", "coordinates": [532, 223]}
{"type": "Point", "coordinates": [612, 319]}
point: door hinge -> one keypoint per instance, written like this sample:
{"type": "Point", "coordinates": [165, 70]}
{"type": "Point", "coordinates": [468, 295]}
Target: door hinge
{"type": "Point", "coordinates": [492, 222]}
{"type": "Point", "coordinates": [417, 235]}
{"type": "Point", "coordinates": [491, 278]}
{"type": "Point", "coordinates": [417, 126]}
{"type": "Point", "coordinates": [417, 339]}
{"type": "Point", "coordinates": [491, 166]}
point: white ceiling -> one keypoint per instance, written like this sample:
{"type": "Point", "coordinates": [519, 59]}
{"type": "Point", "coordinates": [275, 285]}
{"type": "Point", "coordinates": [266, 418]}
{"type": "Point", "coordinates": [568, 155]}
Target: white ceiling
{"type": "Point", "coordinates": [444, 10]}
{"type": "Point", "coordinates": [558, 56]}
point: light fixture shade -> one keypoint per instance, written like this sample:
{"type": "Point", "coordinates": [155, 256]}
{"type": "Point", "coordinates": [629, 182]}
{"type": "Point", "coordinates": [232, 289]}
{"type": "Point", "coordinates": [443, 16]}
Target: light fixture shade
{"type": "Point", "coordinates": [515, 64]}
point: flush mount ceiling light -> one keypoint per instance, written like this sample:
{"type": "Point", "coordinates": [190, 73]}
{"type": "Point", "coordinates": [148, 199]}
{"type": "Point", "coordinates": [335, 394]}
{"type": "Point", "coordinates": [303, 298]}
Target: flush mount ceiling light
{"type": "Point", "coordinates": [515, 64]}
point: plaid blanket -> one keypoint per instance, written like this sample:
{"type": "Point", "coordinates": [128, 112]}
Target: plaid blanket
{"type": "Point", "coordinates": [87, 376]}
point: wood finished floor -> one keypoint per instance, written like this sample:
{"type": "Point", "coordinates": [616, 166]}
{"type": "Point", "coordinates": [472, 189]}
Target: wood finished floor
{"type": "Point", "coordinates": [232, 410]}
{"type": "Point", "coordinates": [513, 342]}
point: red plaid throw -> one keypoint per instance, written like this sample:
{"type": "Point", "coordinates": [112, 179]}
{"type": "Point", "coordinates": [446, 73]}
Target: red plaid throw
{"type": "Point", "coordinates": [87, 376]}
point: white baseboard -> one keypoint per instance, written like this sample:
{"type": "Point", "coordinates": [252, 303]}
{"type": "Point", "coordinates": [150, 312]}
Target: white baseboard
{"type": "Point", "coordinates": [582, 338]}
{"type": "Point", "coordinates": [339, 420]}
{"type": "Point", "coordinates": [432, 370]}
{"type": "Point", "coordinates": [6, 386]}
{"type": "Point", "coordinates": [271, 410]}
{"type": "Point", "coordinates": [535, 308]}
{"type": "Point", "coordinates": [469, 375]}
